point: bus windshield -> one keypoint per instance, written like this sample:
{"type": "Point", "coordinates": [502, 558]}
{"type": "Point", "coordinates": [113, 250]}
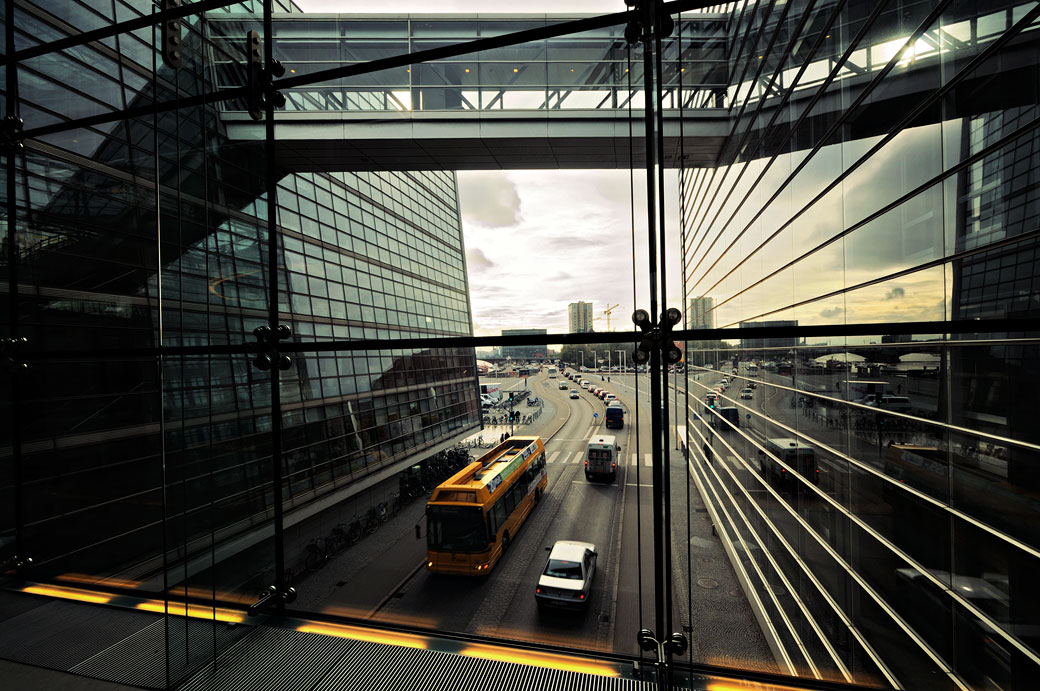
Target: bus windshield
{"type": "Point", "coordinates": [456, 528]}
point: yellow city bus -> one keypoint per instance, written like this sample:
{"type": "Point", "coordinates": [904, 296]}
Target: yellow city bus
{"type": "Point", "coordinates": [472, 516]}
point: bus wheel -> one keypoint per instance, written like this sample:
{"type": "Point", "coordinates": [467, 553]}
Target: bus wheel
{"type": "Point", "coordinates": [505, 541]}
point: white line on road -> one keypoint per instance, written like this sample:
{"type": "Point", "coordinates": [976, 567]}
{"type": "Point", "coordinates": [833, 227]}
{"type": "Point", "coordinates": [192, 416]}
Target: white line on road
{"type": "Point", "coordinates": [553, 456]}
{"type": "Point", "coordinates": [635, 460]}
{"type": "Point", "coordinates": [648, 459]}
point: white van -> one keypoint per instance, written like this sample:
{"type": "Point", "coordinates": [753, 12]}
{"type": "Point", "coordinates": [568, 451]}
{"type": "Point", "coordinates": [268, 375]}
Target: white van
{"type": "Point", "coordinates": [601, 457]}
{"type": "Point", "coordinates": [901, 404]}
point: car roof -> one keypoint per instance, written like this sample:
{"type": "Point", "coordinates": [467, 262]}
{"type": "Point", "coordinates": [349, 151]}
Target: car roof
{"type": "Point", "coordinates": [570, 550]}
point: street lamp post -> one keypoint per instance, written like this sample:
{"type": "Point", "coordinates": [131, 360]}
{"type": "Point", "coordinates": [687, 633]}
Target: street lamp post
{"type": "Point", "coordinates": [608, 364]}
{"type": "Point", "coordinates": [595, 362]}
{"type": "Point", "coordinates": [621, 360]}
{"type": "Point", "coordinates": [582, 353]}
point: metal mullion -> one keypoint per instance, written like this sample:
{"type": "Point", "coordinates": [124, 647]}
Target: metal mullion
{"type": "Point", "coordinates": [831, 76]}
{"type": "Point", "coordinates": [932, 17]}
{"type": "Point", "coordinates": [13, 323]}
{"type": "Point", "coordinates": [962, 326]}
{"type": "Point", "coordinates": [129, 25]}
{"type": "Point", "coordinates": [367, 67]}
{"type": "Point", "coordinates": [975, 158]}
{"type": "Point", "coordinates": [271, 184]}
{"type": "Point", "coordinates": [777, 109]}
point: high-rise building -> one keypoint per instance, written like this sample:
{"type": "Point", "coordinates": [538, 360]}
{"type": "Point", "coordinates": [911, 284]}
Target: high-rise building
{"type": "Point", "coordinates": [579, 317]}
{"type": "Point", "coordinates": [700, 314]}
{"type": "Point", "coordinates": [361, 256]}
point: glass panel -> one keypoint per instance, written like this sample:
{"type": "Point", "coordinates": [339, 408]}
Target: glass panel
{"type": "Point", "coordinates": [824, 504]}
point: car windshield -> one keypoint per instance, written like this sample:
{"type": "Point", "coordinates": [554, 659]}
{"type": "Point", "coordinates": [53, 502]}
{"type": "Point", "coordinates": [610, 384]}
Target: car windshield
{"type": "Point", "coordinates": [456, 529]}
{"type": "Point", "coordinates": [561, 568]}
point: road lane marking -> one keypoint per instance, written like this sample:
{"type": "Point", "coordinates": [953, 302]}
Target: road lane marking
{"type": "Point", "coordinates": [635, 460]}
{"type": "Point", "coordinates": [553, 456]}
{"type": "Point", "coordinates": [648, 460]}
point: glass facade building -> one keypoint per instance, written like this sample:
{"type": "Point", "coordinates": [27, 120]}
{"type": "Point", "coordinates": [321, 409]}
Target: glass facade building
{"type": "Point", "coordinates": [879, 170]}
{"type": "Point", "coordinates": [237, 356]}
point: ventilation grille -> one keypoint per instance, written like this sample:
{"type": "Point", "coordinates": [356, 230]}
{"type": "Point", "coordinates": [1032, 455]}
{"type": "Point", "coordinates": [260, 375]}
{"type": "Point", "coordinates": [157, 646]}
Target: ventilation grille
{"type": "Point", "coordinates": [292, 661]}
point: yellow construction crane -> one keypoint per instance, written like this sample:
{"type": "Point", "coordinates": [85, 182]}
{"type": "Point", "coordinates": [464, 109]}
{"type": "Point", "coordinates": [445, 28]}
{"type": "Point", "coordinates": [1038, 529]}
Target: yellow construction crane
{"type": "Point", "coordinates": [607, 312]}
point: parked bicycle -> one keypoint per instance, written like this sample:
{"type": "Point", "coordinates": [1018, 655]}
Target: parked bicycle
{"type": "Point", "coordinates": [317, 554]}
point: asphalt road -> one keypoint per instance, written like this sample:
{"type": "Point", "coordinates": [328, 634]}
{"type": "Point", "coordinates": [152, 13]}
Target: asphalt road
{"type": "Point", "coordinates": [384, 577]}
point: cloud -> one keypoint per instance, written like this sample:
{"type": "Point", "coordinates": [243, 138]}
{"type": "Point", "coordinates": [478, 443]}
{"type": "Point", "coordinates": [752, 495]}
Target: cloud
{"type": "Point", "coordinates": [896, 293]}
{"type": "Point", "coordinates": [476, 260]}
{"type": "Point", "coordinates": [489, 199]}
{"type": "Point", "coordinates": [831, 312]}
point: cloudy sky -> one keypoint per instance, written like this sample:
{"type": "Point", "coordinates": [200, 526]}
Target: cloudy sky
{"type": "Point", "coordinates": [538, 240]}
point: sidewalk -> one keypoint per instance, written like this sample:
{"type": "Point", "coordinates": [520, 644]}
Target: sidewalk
{"type": "Point", "coordinates": [715, 614]}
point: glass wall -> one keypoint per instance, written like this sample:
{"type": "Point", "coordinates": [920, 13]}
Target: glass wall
{"type": "Point", "coordinates": [259, 333]}
{"type": "Point", "coordinates": [874, 475]}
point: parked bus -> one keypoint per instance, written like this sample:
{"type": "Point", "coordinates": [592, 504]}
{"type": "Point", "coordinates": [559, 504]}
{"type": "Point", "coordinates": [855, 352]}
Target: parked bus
{"type": "Point", "coordinates": [472, 516]}
{"type": "Point", "coordinates": [795, 454]}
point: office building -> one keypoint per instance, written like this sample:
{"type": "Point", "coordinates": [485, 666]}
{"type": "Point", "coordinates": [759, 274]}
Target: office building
{"type": "Point", "coordinates": [525, 353]}
{"type": "Point", "coordinates": [579, 317]}
{"type": "Point", "coordinates": [114, 455]}
{"type": "Point", "coordinates": [874, 195]}
{"type": "Point", "coordinates": [700, 313]}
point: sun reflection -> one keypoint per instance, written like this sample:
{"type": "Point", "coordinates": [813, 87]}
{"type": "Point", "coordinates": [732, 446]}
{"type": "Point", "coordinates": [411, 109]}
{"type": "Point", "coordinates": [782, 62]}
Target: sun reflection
{"type": "Point", "coordinates": [359, 633]}
{"type": "Point", "coordinates": [68, 593]}
{"type": "Point", "coordinates": [538, 659]}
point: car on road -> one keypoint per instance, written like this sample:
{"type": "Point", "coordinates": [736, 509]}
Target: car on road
{"type": "Point", "coordinates": [574, 393]}
{"type": "Point", "coordinates": [602, 394]}
{"type": "Point", "coordinates": [566, 580]}
{"type": "Point", "coordinates": [746, 393]}
{"type": "Point", "coordinates": [610, 397]}
{"type": "Point", "coordinates": [752, 385]}
{"type": "Point", "coordinates": [563, 386]}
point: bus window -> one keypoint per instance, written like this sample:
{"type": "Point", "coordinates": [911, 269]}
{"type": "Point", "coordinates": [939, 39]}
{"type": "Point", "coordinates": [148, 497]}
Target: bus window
{"type": "Point", "coordinates": [455, 528]}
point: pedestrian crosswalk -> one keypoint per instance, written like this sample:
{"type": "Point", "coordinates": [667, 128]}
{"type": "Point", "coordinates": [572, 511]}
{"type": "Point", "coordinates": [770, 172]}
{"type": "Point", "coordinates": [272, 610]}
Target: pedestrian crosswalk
{"type": "Point", "coordinates": [648, 460]}
{"type": "Point", "coordinates": [564, 458]}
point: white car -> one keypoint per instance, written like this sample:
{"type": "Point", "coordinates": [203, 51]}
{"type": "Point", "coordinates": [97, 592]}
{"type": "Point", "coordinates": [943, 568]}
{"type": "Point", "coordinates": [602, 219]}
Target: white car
{"type": "Point", "coordinates": [563, 386]}
{"type": "Point", "coordinates": [574, 393]}
{"type": "Point", "coordinates": [610, 397]}
{"type": "Point", "coordinates": [566, 580]}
